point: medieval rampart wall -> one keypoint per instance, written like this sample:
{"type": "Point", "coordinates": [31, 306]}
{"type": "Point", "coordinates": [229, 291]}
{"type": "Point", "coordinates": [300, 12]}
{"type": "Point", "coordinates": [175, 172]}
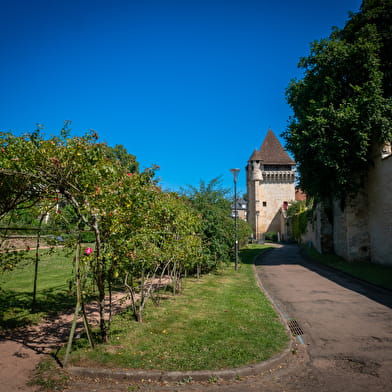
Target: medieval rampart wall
{"type": "Point", "coordinates": [379, 190]}
{"type": "Point", "coordinates": [350, 229]}
{"type": "Point", "coordinates": [319, 231]}
{"type": "Point", "coordinates": [363, 230]}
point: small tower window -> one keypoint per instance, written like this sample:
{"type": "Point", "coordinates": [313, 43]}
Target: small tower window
{"type": "Point", "coordinates": [264, 204]}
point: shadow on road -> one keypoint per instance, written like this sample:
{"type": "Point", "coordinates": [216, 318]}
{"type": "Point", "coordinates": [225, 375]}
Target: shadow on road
{"type": "Point", "coordinates": [292, 255]}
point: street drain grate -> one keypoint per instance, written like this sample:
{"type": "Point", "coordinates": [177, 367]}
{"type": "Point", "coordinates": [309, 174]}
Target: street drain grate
{"type": "Point", "coordinates": [295, 328]}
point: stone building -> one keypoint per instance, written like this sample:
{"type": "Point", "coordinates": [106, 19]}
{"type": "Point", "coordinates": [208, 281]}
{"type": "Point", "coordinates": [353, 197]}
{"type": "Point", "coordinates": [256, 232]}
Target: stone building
{"type": "Point", "coordinates": [270, 183]}
{"type": "Point", "coordinates": [242, 209]}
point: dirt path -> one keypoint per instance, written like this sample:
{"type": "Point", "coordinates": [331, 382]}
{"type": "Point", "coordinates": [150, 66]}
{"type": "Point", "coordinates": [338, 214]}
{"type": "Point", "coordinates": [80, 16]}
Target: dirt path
{"type": "Point", "coordinates": [22, 349]}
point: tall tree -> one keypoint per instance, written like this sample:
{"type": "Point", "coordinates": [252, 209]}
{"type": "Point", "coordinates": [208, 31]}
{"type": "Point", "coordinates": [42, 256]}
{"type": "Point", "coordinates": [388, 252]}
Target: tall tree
{"type": "Point", "coordinates": [342, 106]}
{"type": "Point", "coordinates": [211, 202]}
{"type": "Point", "coordinates": [379, 14]}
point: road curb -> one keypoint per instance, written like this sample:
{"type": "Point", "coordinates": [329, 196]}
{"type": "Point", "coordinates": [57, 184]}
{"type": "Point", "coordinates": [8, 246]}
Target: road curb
{"type": "Point", "coordinates": [199, 375]}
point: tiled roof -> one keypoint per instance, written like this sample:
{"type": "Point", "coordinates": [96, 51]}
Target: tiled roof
{"type": "Point", "coordinates": [272, 153]}
{"type": "Point", "coordinates": [255, 156]}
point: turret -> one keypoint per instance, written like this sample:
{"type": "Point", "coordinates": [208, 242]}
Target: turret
{"type": "Point", "coordinates": [255, 165]}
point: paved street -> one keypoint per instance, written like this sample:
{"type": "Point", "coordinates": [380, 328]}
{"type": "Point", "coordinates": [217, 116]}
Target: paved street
{"type": "Point", "coordinates": [346, 324]}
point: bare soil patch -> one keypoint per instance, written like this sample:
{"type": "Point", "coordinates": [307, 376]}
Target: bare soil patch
{"type": "Point", "coordinates": [23, 348]}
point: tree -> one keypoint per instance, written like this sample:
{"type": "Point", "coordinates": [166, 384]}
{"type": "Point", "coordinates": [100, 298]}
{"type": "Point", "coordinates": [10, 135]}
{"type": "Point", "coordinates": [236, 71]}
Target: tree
{"type": "Point", "coordinates": [17, 191]}
{"type": "Point", "coordinates": [377, 13]}
{"type": "Point", "coordinates": [139, 231]}
{"type": "Point", "coordinates": [342, 106]}
{"type": "Point", "coordinates": [217, 229]}
{"type": "Point", "coordinates": [128, 161]}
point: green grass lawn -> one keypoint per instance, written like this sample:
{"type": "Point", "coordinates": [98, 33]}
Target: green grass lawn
{"type": "Point", "coordinates": [219, 321]}
{"type": "Point", "coordinates": [378, 274]}
{"type": "Point", "coordinates": [16, 289]}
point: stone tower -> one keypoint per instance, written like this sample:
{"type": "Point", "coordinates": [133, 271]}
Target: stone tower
{"type": "Point", "coordinates": [270, 177]}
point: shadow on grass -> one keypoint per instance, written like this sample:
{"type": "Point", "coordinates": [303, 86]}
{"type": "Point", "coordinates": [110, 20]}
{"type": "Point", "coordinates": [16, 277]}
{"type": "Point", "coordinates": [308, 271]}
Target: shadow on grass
{"type": "Point", "coordinates": [15, 308]}
{"type": "Point", "coordinates": [248, 255]}
{"type": "Point", "coordinates": [378, 274]}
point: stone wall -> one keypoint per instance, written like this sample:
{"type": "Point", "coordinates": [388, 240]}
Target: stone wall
{"type": "Point", "coordinates": [271, 196]}
{"type": "Point", "coordinates": [265, 202]}
{"type": "Point", "coordinates": [319, 231]}
{"type": "Point", "coordinates": [350, 229]}
{"type": "Point", "coordinates": [380, 211]}
{"type": "Point", "coordinates": [363, 230]}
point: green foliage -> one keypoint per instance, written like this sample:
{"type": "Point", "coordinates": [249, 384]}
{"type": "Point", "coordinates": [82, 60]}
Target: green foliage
{"type": "Point", "coordinates": [244, 232]}
{"type": "Point", "coordinates": [95, 193]}
{"type": "Point", "coordinates": [296, 207]}
{"type": "Point", "coordinates": [87, 237]}
{"type": "Point", "coordinates": [299, 212]}
{"type": "Point", "coordinates": [128, 161]}
{"type": "Point", "coordinates": [341, 108]}
{"type": "Point", "coordinates": [377, 13]}
{"type": "Point", "coordinates": [217, 227]}
{"type": "Point", "coordinates": [271, 236]}
{"type": "Point", "coordinates": [299, 222]}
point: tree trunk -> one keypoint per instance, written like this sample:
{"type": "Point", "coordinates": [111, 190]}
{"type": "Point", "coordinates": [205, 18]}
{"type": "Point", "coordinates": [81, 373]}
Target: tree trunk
{"type": "Point", "coordinates": [100, 280]}
{"type": "Point", "coordinates": [77, 307]}
{"type": "Point", "coordinates": [34, 301]}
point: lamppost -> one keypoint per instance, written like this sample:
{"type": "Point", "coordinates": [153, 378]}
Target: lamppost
{"type": "Point", "coordinates": [235, 173]}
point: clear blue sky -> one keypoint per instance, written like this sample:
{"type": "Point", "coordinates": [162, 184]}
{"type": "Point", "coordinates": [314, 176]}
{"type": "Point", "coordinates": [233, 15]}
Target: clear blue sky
{"type": "Point", "coordinates": [190, 85]}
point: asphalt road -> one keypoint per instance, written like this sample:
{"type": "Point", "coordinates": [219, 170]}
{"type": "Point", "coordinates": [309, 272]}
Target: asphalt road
{"type": "Point", "coordinates": [346, 323]}
{"type": "Point", "coordinates": [344, 327]}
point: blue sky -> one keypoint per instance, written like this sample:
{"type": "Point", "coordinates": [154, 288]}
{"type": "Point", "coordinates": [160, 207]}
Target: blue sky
{"type": "Point", "coordinates": [192, 86]}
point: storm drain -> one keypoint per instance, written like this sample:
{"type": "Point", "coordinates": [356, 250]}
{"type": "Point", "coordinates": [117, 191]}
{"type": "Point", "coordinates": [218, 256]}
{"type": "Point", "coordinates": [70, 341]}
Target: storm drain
{"type": "Point", "coordinates": [295, 328]}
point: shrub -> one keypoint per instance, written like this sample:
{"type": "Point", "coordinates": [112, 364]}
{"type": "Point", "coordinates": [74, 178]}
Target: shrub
{"type": "Point", "coordinates": [270, 236]}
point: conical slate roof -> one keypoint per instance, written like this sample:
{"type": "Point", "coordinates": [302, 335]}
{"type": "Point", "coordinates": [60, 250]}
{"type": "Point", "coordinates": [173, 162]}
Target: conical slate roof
{"type": "Point", "coordinates": [271, 152]}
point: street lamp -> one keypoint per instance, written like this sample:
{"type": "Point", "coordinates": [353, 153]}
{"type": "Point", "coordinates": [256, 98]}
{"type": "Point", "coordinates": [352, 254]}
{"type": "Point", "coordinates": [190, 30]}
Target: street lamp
{"type": "Point", "coordinates": [235, 173]}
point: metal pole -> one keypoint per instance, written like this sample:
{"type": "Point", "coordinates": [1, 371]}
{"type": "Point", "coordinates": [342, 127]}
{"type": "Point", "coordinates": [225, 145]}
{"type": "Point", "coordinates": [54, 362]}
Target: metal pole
{"type": "Point", "coordinates": [236, 225]}
{"type": "Point", "coordinates": [235, 172]}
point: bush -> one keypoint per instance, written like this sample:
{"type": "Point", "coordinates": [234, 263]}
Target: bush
{"type": "Point", "coordinates": [271, 236]}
